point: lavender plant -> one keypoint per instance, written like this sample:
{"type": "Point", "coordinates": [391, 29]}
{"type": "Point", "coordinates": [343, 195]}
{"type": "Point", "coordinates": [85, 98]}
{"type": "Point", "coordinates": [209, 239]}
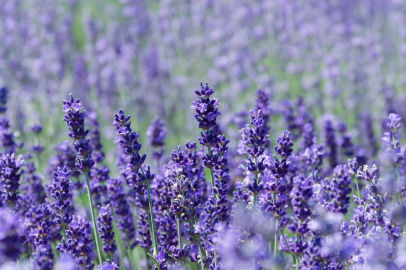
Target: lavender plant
{"type": "Point", "coordinates": [329, 195]}
{"type": "Point", "coordinates": [135, 165]}
{"type": "Point", "coordinates": [75, 119]}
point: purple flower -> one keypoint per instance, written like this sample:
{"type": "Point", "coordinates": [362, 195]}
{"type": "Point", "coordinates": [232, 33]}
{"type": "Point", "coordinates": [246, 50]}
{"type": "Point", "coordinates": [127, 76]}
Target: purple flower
{"type": "Point", "coordinates": [331, 144]}
{"type": "Point", "coordinates": [37, 128]}
{"type": "Point", "coordinates": [65, 262]}
{"type": "Point", "coordinates": [108, 266]}
{"type": "Point", "coordinates": [3, 99]}
{"type": "Point", "coordinates": [262, 103]}
{"type": "Point", "coordinates": [75, 119]}
{"type": "Point", "coordinates": [65, 157]}
{"type": "Point", "coordinates": [61, 191]}
{"type": "Point", "coordinates": [10, 178]}
{"type": "Point", "coordinates": [43, 257]}
{"type": "Point", "coordinates": [340, 190]}
{"type": "Point", "coordinates": [79, 243]}
{"type": "Point", "coordinates": [106, 230]}
{"type": "Point", "coordinates": [156, 134]}
{"type": "Point", "coordinates": [10, 241]}
{"type": "Point", "coordinates": [122, 211]}
{"type": "Point", "coordinates": [94, 137]}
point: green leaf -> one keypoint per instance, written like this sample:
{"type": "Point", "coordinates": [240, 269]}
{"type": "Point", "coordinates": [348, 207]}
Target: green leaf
{"type": "Point", "coordinates": [154, 260]}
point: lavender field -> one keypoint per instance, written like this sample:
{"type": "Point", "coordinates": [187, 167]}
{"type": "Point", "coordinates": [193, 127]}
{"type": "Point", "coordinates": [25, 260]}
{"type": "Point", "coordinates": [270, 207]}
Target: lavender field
{"type": "Point", "coordinates": [221, 135]}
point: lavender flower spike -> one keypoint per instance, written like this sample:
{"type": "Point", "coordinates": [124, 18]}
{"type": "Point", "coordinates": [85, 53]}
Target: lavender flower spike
{"type": "Point", "coordinates": [106, 230]}
{"type": "Point", "coordinates": [75, 119]}
{"type": "Point", "coordinates": [134, 171]}
{"type": "Point", "coordinates": [10, 242]}
{"type": "Point", "coordinates": [156, 135]}
{"type": "Point", "coordinates": [10, 178]}
{"type": "Point", "coordinates": [61, 188]}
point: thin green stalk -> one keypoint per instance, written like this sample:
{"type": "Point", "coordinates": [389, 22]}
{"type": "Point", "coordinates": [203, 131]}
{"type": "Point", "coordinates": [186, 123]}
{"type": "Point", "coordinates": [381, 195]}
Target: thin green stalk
{"type": "Point", "coordinates": [63, 228]}
{"type": "Point", "coordinates": [54, 251]}
{"type": "Point", "coordinates": [286, 242]}
{"type": "Point", "coordinates": [179, 235]}
{"type": "Point", "coordinates": [359, 194]}
{"type": "Point", "coordinates": [212, 176]}
{"type": "Point", "coordinates": [150, 227]}
{"type": "Point", "coordinates": [276, 238]}
{"type": "Point", "coordinates": [201, 254]}
{"type": "Point", "coordinates": [120, 250]}
{"type": "Point", "coordinates": [215, 196]}
{"type": "Point", "coordinates": [179, 232]}
{"type": "Point", "coordinates": [152, 221]}
{"type": "Point", "coordinates": [400, 193]}
{"type": "Point", "coordinates": [119, 240]}
{"type": "Point", "coordinates": [297, 262]}
{"type": "Point", "coordinates": [255, 183]}
{"type": "Point", "coordinates": [274, 193]}
{"type": "Point", "coordinates": [89, 195]}
{"type": "Point", "coordinates": [81, 197]}
{"type": "Point", "coordinates": [130, 252]}
{"type": "Point", "coordinates": [153, 232]}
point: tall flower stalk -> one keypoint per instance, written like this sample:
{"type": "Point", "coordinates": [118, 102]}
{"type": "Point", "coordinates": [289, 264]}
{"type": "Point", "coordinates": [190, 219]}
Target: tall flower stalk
{"type": "Point", "coordinates": [216, 160]}
{"type": "Point", "coordinates": [105, 220]}
{"type": "Point", "coordinates": [134, 171]}
{"type": "Point", "coordinates": [397, 154]}
{"type": "Point", "coordinates": [75, 119]}
{"type": "Point", "coordinates": [61, 191]}
{"type": "Point", "coordinates": [207, 113]}
{"type": "Point", "coordinates": [255, 139]}
{"type": "Point", "coordinates": [10, 178]}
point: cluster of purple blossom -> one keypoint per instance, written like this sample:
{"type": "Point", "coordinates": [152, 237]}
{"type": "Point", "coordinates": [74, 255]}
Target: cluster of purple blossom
{"type": "Point", "coordinates": [305, 204]}
{"type": "Point", "coordinates": [275, 187]}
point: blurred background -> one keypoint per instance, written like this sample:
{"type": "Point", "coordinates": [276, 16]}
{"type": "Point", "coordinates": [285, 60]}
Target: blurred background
{"type": "Point", "coordinates": [340, 59]}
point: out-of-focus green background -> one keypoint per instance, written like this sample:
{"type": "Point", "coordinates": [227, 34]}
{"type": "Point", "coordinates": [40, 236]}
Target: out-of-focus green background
{"type": "Point", "coordinates": [345, 58]}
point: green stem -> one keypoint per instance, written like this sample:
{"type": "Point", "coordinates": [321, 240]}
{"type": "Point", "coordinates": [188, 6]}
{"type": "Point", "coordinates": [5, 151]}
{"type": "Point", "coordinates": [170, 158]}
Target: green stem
{"type": "Point", "coordinates": [130, 252]}
{"type": "Point", "coordinates": [153, 233]}
{"type": "Point", "coordinates": [400, 193]}
{"type": "Point", "coordinates": [214, 195]}
{"type": "Point", "coordinates": [274, 193]}
{"type": "Point", "coordinates": [54, 251]}
{"type": "Point", "coordinates": [359, 194]}
{"type": "Point", "coordinates": [212, 176]}
{"type": "Point", "coordinates": [286, 242]}
{"type": "Point", "coordinates": [119, 240]}
{"type": "Point", "coordinates": [151, 211]}
{"type": "Point", "coordinates": [179, 236]}
{"type": "Point", "coordinates": [255, 182]}
{"type": "Point", "coordinates": [89, 195]}
{"type": "Point", "coordinates": [201, 254]}
{"type": "Point", "coordinates": [276, 238]}
{"type": "Point", "coordinates": [63, 228]}
{"type": "Point", "coordinates": [179, 232]}
{"type": "Point", "coordinates": [150, 227]}
{"type": "Point", "coordinates": [121, 250]}
{"type": "Point", "coordinates": [297, 262]}
{"type": "Point", "coordinates": [79, 189]}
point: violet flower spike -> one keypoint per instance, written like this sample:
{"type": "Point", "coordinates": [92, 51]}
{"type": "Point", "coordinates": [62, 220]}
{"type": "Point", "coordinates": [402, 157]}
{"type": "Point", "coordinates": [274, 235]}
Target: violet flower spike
{"type": "Point", "coordinates": [75, 119]}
